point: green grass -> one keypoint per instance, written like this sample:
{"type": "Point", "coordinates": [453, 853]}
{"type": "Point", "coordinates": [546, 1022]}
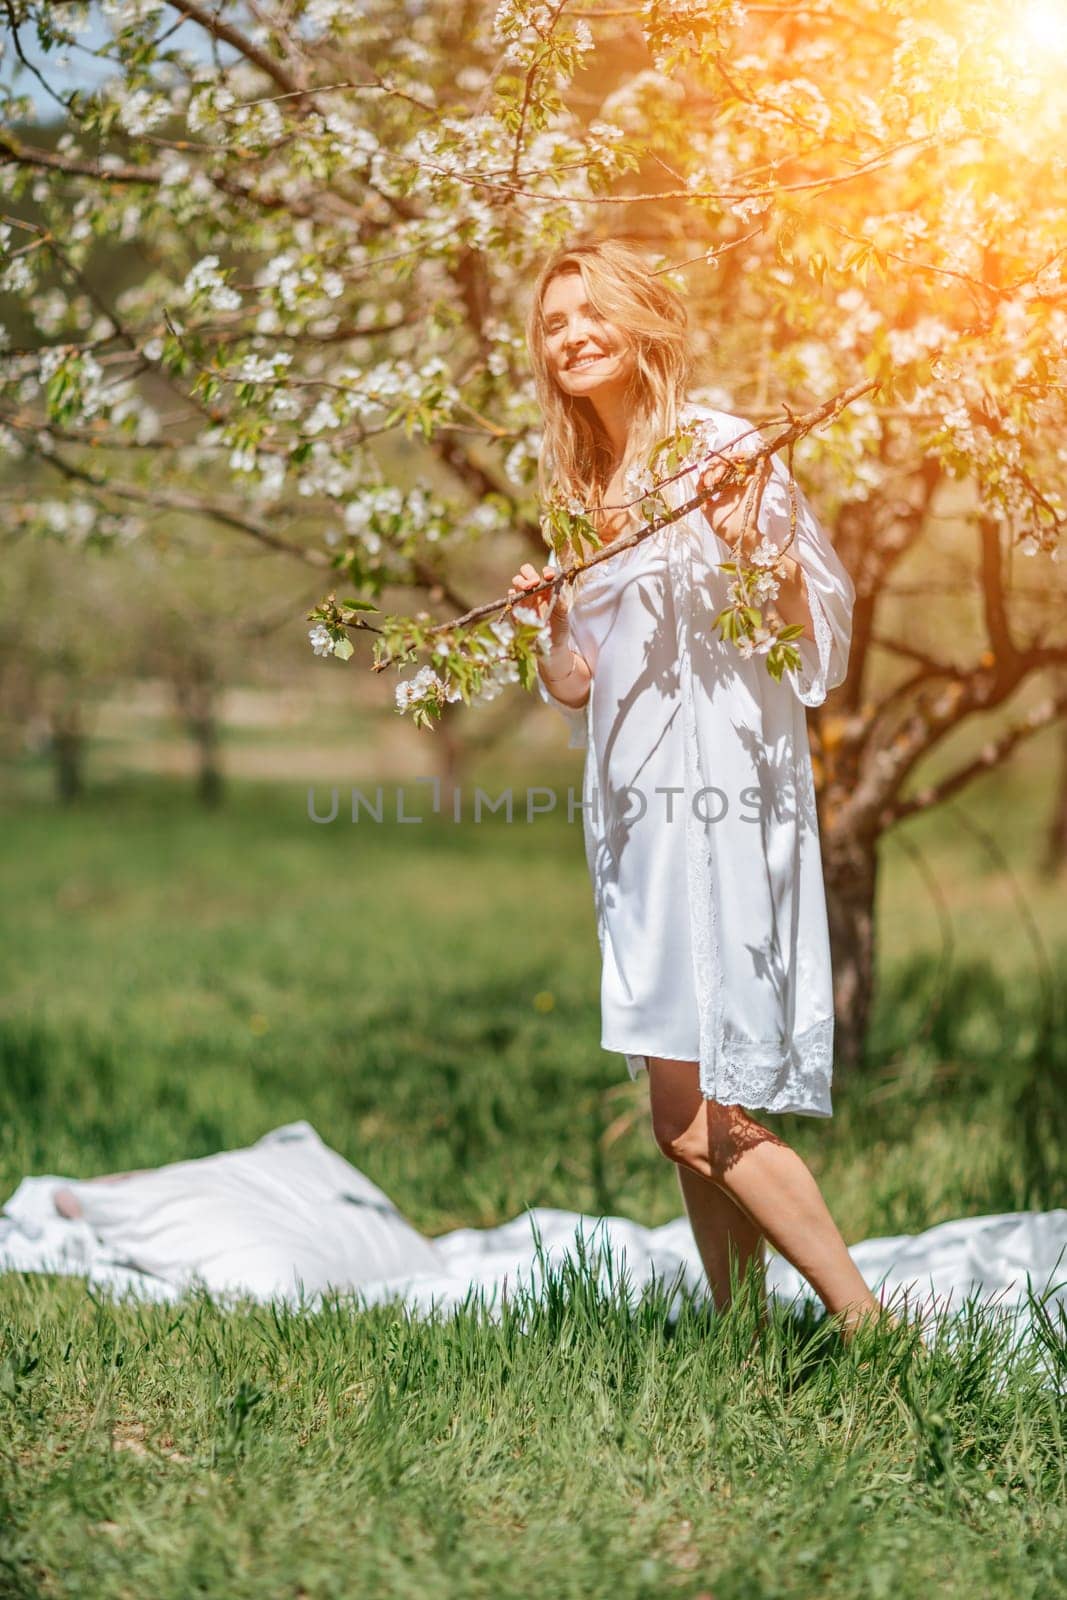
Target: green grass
{"type": "Point", "coordinates": [178, 982]}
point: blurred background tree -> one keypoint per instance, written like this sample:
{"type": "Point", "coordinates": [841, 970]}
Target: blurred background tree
{"type": "Point", "coordinates": [265, 291]}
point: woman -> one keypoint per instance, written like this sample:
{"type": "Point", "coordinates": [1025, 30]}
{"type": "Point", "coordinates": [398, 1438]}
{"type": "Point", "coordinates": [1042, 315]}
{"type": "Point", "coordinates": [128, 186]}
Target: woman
{"type": "Point", "coordinates": [709, 901]}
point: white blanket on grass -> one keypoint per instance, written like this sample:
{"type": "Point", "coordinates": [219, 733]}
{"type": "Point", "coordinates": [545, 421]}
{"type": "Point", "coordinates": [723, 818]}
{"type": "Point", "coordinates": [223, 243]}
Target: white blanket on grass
{"type": "Point", "coordinates": [289, 1219]}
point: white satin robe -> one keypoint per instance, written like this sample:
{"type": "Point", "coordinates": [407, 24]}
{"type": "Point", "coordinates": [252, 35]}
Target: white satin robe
{"type": "Point", "coordinates": [710, 904]}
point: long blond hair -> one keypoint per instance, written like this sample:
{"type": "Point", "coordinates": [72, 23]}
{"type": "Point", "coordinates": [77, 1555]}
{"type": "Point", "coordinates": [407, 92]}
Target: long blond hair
{"type": "Point", "coordinates": [575, 457]}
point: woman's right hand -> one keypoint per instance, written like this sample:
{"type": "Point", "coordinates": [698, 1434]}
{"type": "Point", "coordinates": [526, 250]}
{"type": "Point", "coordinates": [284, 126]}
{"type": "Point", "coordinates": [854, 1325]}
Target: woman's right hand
{"type": "Point", "coordinates": [547, 604]}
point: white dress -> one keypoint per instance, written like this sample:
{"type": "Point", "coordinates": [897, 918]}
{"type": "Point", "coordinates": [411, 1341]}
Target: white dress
{"type": "Point", "coordinates": [698, 809]}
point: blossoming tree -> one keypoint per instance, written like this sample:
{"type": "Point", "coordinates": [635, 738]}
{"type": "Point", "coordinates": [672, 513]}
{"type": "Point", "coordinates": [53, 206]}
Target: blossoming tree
{"type": "Point", "coordinates": [340, 209]}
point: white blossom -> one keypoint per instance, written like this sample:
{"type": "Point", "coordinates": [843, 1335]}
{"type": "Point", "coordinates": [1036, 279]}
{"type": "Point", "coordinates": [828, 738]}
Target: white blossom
{"type": "Point", "coordinates": [488, 518]}
{"type": "Point", "coordinates": [17, 277]}
{"type": "Point", "coordinates": [141, 111]}
{"type": "Point", "coordinates": [765, 587]}
{"type": "Point", "coordinates": [271, 478]}
{"type": "Point", "coordinates": [204, 281]}
{"type": "Point", "coordinates": [255, 369]}
{"type": "Point", "coordinates": [908, 344]}
{"type": "Point", "coordinates": [129, 12]}
{"type": "Point", "coordinates": [424, 686]}
{"type": "Point", "coordinates": [765, 554]}
{"type": "Point", "coordinates": [208, 106]}
{"type": "Point", "coordinates": [528, 614]}
{"type": "Point", "coordinates": [175, 169]}
{"type": "Point", "coordinates": [283, 403]}
{"type": "Point", "coordinates": [638, 481]}
{"type": "Point", "coordinates": [323, 416]}
{"type": "Point", "coordinates": [325, 12]}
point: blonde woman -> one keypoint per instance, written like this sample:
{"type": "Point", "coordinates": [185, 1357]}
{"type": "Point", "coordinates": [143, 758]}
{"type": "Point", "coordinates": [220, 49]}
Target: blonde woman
{"type": "Point", "coordinates": [698, 798]}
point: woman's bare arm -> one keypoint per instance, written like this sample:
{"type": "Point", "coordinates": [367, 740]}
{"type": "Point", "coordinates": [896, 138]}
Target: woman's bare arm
{"type": "Point", "coordinates": [566, 675]}
{"type": "Point", "coordinates": [727, 516]}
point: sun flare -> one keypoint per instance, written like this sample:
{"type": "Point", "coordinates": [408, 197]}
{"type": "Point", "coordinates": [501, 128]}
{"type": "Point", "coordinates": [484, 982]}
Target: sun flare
{"type": "Point", "coordinates": [1044, 24]}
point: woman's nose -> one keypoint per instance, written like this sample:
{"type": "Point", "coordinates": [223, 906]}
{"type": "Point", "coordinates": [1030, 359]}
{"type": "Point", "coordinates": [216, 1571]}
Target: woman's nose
{"type": "Point", "coordinates": [574, 341]}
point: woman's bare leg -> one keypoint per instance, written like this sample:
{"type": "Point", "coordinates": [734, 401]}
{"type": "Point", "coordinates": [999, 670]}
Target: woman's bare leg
{"type": "Point", "coordinates": [765, 1178]}
{"type": "Point", "coordinates": [723, 1231]}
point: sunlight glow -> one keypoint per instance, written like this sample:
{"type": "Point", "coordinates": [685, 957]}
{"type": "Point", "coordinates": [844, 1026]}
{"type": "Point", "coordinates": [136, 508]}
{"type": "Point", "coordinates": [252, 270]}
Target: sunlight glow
{"type": "Point", "coordinates": [1044, 24]}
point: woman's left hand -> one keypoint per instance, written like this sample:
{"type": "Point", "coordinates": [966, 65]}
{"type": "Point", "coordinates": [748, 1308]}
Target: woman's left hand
{"type": "Point", "coordinates": [726, 513]}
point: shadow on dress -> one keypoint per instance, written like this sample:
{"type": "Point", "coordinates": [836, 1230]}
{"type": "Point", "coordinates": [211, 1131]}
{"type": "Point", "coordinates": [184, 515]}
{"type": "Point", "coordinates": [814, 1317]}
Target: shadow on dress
{"type": "Point", "coordinates": [781, 792]}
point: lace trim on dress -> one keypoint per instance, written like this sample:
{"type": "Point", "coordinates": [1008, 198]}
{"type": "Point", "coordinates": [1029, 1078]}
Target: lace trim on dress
{"type": "Point", "coordinates": [699, 840]}
{"type": "Point", "coordinates": [773, 1076]}
{"type": "Point", "coordinates": [810, 683]}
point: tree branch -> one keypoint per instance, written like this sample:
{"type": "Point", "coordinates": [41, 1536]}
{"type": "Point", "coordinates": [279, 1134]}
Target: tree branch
{"type": "Point", "coordinates": [872, 559]}
{"type": "Point", "coordinates": [437, 587]}
{"type": "Point", "coordinates": [25, 155]}
{"type": "Point", "coordinates": [299, 92]}
{"type": "Point", "coordinates": [887, 765]}
{"type": "Point", "coordinates": [796, 427]}
{"type": "Point", "coordinates": [991, 755]}
{"type": "Point", "coordinates": [30, 67]}
{"type": "Point", "coordinates": [931, 667]}
{"type": "Point", "coordinates": [32, 156]}
{"type": "Point", "coordinates": [178, 500]}
{"type": "Point", "coordinates": [226, 33]}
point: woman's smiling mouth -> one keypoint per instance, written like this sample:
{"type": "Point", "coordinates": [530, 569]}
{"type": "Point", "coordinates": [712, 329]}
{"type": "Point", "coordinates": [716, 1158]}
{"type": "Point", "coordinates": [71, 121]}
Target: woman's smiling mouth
{"type": "Point", "coordinates": [583, 361]}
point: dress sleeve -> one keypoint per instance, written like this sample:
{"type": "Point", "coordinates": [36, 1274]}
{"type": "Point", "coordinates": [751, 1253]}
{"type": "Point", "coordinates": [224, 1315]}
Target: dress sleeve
{"type": "Point", "coordinates": [828, 587]}
{"type": "Point", "coordinates": [577, 716]}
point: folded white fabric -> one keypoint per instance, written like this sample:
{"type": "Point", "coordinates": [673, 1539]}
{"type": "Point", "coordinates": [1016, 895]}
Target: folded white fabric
{"type": "Point", "coordinates": [288, 1219]}
{"type": "Point", "coordinates": [992, 1258]}
{"type": "Point", "coordinates": [284, 1217]}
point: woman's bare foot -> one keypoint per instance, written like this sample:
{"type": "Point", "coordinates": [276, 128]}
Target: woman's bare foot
{"type": "Point", "coordinates": [67, 1203]}
{"type": "Point", "coordinates": [849, 1323]}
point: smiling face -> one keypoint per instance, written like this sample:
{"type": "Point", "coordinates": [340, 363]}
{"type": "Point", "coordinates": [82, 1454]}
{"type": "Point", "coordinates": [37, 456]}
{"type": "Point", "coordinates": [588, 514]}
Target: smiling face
{"type": "Point", "coordinates": [585, 353]}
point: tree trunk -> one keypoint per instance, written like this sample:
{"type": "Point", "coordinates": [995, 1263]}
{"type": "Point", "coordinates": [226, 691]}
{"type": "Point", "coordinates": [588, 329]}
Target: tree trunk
{"type": "Point", "coordinates": [457, 746]}
{"type": "Point", "coordinates": [1056, 839]}
{"type": "Point", "coordinates": [68, 752]}
{"type": "Point", "coordinates": [196, 694]}
{"type": "Point", "coordinates": [850, 873]}
{"type": "Point", "coordinates": [205, 732]}
{"type": "Point", "coordinates": [451, 750]}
